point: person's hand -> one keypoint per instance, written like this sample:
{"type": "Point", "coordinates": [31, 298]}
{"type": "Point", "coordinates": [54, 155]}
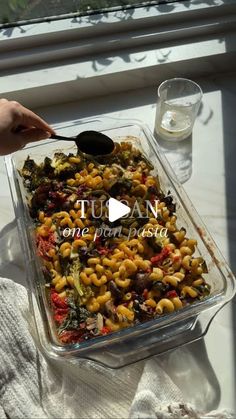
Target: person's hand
{"type": "Point", "coordinates": [19, 126]}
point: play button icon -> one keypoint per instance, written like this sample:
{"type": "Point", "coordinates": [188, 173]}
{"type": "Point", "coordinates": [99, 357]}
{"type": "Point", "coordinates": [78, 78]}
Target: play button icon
{"type": "Point", "coordinates": [116, 209]}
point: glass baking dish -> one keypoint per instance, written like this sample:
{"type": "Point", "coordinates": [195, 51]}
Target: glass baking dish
{"type": "Point", "coordinates": [143, 340]}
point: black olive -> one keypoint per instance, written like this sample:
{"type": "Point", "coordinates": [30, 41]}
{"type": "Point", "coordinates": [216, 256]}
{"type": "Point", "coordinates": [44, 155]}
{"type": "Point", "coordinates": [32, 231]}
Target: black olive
{"type": "Point", "coordinates": [169, 203]}
{"type": "Point", "coordinates": [172, 208]}
{"type": "Point", "coordinates": [159, 286]}
{"type": "Point", "coordinates": [173, 239]}
{"type": "Point", "coordinates": [46, 275]}
{"type": "Point", "coordinates": [67, 205]}
{"type": "Point", "coordinates": [136, 305]}
{"type": "Point", "coordinates": [168, 200]}
{"type": "Point", "coordinates": [154, 245]}
{"type": "Point", "coordinates": [115, 292]}
{"type": "Point", "coordinates": [121, 186]}
{"type": "Point", "coordinates": [142, 221]}
{"type": "Point", "coordinates": [203, 289]}
{"type": "Point", "coordinates": [83, 254]}
{"type": "Point", "coordinates": [152, 190]}
{"type": "Point", "coordinates": [142, 281]}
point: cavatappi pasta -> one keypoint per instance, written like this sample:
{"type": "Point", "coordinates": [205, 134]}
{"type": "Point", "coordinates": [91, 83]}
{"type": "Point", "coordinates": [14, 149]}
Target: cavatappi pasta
{"type": "Point", "coordinates": [100, 283]}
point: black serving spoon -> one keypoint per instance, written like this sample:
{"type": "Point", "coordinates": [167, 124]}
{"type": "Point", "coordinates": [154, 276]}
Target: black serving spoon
{"type": "Point", "coordinates": [93, 143]}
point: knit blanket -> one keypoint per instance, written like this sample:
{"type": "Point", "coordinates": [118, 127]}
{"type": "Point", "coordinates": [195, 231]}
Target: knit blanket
{"type": "Point", "coordinates": [173, 385]}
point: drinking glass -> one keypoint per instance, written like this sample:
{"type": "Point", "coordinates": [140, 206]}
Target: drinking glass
{"type": "Point", "coordinates": [177, 107]}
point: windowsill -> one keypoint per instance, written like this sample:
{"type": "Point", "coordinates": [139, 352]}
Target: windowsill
{"type": "Point", "coordinates": [66, 60]}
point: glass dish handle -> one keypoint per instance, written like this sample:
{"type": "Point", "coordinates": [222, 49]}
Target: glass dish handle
{"type": "Point", "coordinates": [116, 355]}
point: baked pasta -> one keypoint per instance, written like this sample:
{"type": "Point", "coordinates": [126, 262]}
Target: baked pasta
{"type": "Point", "coordinates": [101, 277]}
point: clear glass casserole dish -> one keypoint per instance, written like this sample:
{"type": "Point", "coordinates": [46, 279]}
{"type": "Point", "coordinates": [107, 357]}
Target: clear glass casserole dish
{"type": "Point", "coordinates": [142, 340]}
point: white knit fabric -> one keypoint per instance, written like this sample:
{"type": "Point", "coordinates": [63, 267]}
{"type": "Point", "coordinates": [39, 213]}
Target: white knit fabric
{"type": "Point", "coordinates": [33, 387]}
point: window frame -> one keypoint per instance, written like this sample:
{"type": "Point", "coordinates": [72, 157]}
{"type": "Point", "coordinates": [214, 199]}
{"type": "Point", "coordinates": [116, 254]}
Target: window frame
{"type": "Point", "coordinates": [113, 22]}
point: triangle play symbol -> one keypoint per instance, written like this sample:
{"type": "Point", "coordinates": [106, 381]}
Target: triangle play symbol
{"type": "Point", "coordinates": [116, 209]}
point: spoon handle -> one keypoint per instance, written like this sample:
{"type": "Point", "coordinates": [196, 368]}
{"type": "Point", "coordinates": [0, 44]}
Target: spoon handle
{"type": "Point", "coordinates": [60, 137]}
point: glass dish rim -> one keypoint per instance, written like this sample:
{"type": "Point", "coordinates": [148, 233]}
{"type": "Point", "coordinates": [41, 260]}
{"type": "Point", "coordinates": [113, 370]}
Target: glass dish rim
{"type": "Point", "coordinates": [169, 319]}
